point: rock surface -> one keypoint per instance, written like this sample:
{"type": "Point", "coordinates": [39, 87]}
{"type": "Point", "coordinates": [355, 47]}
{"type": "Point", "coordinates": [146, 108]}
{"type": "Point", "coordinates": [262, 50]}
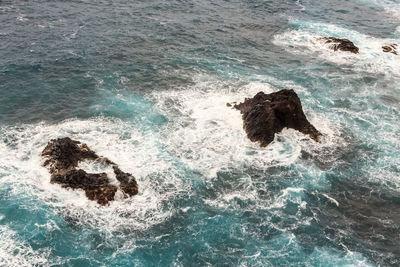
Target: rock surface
{"type": "Point", "coordinates": [391, 48]}
{"type": "Point", "coordinates": [62, 158]}
{"type": "Point", "coordinates": [338, 44]}
{"type": "Point", "coordinates": [267, 114]}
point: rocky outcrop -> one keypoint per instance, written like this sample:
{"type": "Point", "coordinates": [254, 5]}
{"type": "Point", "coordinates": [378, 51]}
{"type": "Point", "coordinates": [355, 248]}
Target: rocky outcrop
{"type": "Point", "coordinates": [391, 48]}
{"type": "Point", "coordinates": [267, 114]}
{"type": "Point", "coordinates": [338, 44]}
{"type": "Point", "coordinates": [62, 158]}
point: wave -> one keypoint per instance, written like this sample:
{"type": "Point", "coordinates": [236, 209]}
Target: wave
{"type": "Point", "coordinates": [202, 135]}
{"type": "Point", "coordinates": [20, 169]}
{"type": "Point", "coordinates": [208, 136]}
{"type": "Point", "coordinates": [201, 140]}
{"type": "Point", "coordinates": [390, 7]}
{"type": "Point", "coordinates": [304, 40]}
{"type": "Point", "coordinates": [18, 253]}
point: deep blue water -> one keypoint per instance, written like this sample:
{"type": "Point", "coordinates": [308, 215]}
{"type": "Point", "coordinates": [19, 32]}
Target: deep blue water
{"type": "Point", "coordinates": [145, 83]}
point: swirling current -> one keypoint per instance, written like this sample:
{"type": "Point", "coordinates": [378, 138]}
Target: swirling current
{"type": "Point", "coordinates": [145, 83]}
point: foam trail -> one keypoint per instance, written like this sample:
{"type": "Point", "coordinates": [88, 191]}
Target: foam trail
{"type": "Point", "coordinates": [334, 201]}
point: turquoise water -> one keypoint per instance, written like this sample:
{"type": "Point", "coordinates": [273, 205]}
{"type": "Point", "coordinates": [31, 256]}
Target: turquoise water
{"type": "Point", "coordinates": [146, 83]}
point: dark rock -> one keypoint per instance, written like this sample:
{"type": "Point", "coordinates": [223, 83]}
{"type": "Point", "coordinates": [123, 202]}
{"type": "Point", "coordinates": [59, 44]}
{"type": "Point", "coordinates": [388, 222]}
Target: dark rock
{"type": "Point", "coordinates": [128, 183]}
{"type": "Point", "coordinates": [95, 185]}
{"type": "Point", "coordinates": [267, 114]}
{"type": "Point", "coordinates": [62, 158]}
{"type": "Point", "coordinates": [391, 48]}
{"type": "Point", "coordinates": [338, 44]}
{"type": "Point", "coordinates": [64, 154]}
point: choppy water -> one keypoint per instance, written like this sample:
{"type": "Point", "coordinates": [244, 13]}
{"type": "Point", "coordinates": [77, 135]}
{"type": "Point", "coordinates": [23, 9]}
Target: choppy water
{"type": "Point", "coordinates": [145, 83]}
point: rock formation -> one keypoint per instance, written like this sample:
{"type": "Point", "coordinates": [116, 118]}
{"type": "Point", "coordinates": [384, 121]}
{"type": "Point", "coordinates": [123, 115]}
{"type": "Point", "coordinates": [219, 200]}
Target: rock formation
{"type": "Point", "coordinates": [338, 44]}
{"type": "Point", "coordinates": [391, 48]}
{"type": "Point", "coordinates": [267, 114]}
{"type": "Point", "coordinates": [62, 158]}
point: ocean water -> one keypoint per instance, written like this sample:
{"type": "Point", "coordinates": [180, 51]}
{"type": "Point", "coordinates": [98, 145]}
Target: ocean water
{"type": "Point", "coordinates": [145, 83]}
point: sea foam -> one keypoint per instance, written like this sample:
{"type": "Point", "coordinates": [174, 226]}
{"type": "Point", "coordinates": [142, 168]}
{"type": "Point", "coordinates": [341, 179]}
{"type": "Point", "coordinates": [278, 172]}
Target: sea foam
{"type": "Point", "coordinates": [21, 169]}
{"type": "Point", "coordinates": [304, 40]}
{"type": "Point", "coordinates": [208, 136]}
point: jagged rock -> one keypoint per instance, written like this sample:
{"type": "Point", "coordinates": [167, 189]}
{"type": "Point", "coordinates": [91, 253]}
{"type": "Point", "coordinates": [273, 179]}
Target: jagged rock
{"type": "Point", "coordinates": [267, 114]}
{"type": "Point", "coordinates": [391, 48]}
{"type": "Point", "coordinates": [338, 44]}
{"type": "Point", "coordinates": [62, 158]}
{"type": "Point", "coordinates": [95, 185]}
{"type": "Point", "coordinates": [64, 154]}
{"type": "Point", "coordinates": [128, 184]}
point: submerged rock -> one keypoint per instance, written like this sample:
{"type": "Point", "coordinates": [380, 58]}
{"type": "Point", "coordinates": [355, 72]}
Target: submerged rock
{"type": "Point", "coordinates": [267, 114]}
{"type": "Point", "coordinates": [391, 48]}
{"type": "Point", "coordinates": [338, 44]}
{"type": "Point", "coordinates": [62, 158]}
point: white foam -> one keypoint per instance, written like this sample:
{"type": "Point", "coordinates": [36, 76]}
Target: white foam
{"type": "Point", "coordinates": [134, 152]}
{"type": "Point", "coordinates": [299, 4]}
{"type": "Point", "coordinates": [393, 11]}
{"type": "Point", "coordinates": [228, 199]}
{"type": "Point", "coordinates": [208, 136]}
{"type": "Point", "coordinates": [390, 7]}
{"type": "Point", "coordinates": [371, 58]}
{"type": "Point", "coordinates": [286, 249]}
{"type": "Point", "coordinates": [203, 135]}
{"type": "Point", "coordinates": [323, 256]}
{"type": "Point", "coordinates": [18, 253]}
{"type": "Point", "coordinates": [21, 17]}
{"type": "Point", "coordinates": [293, 194]}
{"type": "Point", "coordinates": [96, 167]}
{"type": "Point", "coordinates": [334, 201]}
{"type": "Point", "coordinates": [68, 37]}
